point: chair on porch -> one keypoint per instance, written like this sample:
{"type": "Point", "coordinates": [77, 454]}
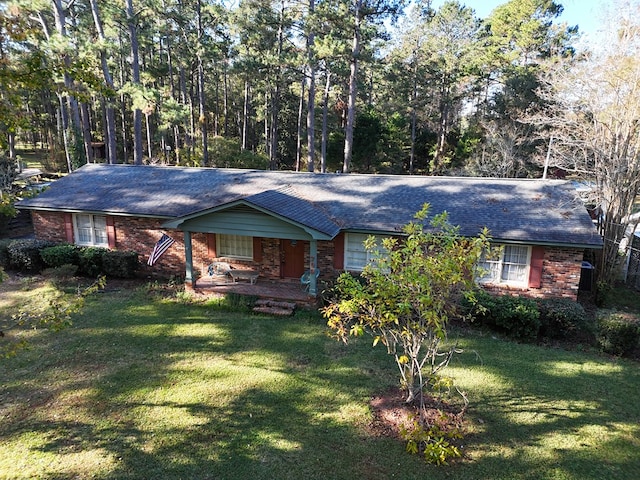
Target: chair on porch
{"type": "Point", "coordinates": [305, 279]}
{"type": "Point", "coordinates": [219, 271]}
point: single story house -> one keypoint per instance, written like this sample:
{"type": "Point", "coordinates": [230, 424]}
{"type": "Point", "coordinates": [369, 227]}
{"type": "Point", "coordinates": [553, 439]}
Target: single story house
{"type": "Point", "coordinates": [282, 224]}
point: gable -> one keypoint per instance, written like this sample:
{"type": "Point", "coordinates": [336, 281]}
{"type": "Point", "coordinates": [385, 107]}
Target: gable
{"type": "Point", "coordinates": [241, 220]}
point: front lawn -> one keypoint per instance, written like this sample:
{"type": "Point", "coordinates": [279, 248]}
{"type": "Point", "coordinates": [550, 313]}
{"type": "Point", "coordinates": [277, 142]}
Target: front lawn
{"type": "Point", "coordinates": [148, 388]}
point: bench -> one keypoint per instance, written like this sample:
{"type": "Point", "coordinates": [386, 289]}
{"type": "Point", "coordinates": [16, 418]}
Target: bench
{"type": "Point", "coordinates": [244, 274]}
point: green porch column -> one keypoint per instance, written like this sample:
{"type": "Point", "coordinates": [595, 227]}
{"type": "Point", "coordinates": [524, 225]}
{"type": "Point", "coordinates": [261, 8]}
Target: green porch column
{"type": "Point", "coordinates": [188, 259]}
{"type": "Point", "coordinates": [313, 260]}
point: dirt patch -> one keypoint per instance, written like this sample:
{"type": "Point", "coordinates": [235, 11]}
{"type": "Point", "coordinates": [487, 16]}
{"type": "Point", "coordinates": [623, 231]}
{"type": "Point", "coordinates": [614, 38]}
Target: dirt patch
{"type": "Point", "coordinates": [392, 414]}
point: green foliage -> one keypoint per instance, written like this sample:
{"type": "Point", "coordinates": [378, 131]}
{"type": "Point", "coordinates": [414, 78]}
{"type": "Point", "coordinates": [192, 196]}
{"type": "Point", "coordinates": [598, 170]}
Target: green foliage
{"type": "Point", "coordinates": [91, 261]}
{"type": "Point", "coordinates": [7, 209]}
{"type": "Point", "coordinates": [4, 252]}
{"type": "Point", "coordinates": [24, 255]}
{"type": "Point", "coordinates": [405, 296]}
{"type": "Point", "coordinates": [561, 317]}
{"type": "Point", "coordinates": [119, 264]}
{"type": "Point", "coordinates": [617, 333]}
{"type": "Point", "coordinates": [518, 317]}
{"type": "Point", "coordinates": [226, 153]}
{"type": "Point", "coordinates": [59, 255]}
{"type": "Point", "coordinates": [432, 442]}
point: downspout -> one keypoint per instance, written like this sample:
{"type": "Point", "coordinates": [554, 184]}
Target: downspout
{"type": "Point", "coordinates": [188, 279]}
{"type": "Point", "coordinates": [313, 261]}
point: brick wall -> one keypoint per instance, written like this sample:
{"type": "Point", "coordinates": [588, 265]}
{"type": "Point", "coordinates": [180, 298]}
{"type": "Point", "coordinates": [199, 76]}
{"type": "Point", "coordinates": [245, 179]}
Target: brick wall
{"type": "Point", "coordinates": [49, 226]}
{"type": "Point", "coordinates": [560, 271]}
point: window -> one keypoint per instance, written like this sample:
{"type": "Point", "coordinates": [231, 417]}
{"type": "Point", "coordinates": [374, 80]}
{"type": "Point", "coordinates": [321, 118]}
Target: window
{"type": "Point", "coordinates": [507, 264]}
{"type": "Point", "coordinates": [355, 255]}
{"type": "Point", "coordinates": [235, 246]}
{"type": "Point", "coordinates": [90, 230]}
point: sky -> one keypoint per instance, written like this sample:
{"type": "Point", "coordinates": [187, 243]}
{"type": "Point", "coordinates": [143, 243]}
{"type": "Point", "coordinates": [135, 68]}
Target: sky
{"type": "Point", "coordinates": [587, 14]}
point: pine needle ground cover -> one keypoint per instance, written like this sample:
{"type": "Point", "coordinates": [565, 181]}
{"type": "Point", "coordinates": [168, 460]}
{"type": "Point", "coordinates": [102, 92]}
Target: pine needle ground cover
{"type": "Point", "coordinates": [149, 387]}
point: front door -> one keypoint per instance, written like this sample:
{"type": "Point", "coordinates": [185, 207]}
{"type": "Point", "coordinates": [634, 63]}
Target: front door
{"type": "Point", "coordinates": [292, 258]}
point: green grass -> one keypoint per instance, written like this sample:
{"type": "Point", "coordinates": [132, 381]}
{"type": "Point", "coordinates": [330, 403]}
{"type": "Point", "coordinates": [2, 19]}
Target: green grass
{"type": "Point", "coordinates": [142, 388]}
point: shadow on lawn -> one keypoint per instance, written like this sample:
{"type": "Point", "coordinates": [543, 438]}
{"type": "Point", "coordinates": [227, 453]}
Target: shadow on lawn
{"type": "Point", "coordinates": [556, 414]}
{"type": "Point", "coordinates": [295, 417]}
{"type": "Point", "coordinates": [290, 427]}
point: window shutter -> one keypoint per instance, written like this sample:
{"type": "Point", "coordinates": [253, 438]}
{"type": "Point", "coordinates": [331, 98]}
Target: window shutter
{"type": "Point", "coordinates": [111, 232]}
{"type": "Point", "coordinates": [68, 227]}
{"type": "Point", "coordinates": [211, 245]}
{"type": "Point", "coordinates": [338, 252]}
{"type": "Point", "coordinates": [535, 268]}
{"type": "Point", "coordinates": [257, 249]}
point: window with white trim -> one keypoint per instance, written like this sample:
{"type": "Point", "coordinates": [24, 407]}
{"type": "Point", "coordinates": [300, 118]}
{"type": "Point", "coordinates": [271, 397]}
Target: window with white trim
{"type": "Point", "coordinates": [506, 264]}
{"type": "Point", "coordinates": [356, 256]}
{"type": "Point", "coordinates": [235, 246]}
{"type": "Point", "coordinates": [90, 230]}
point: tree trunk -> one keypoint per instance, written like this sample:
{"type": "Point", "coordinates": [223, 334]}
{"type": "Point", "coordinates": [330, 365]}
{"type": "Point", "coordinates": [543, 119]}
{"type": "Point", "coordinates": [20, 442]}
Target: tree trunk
{"type": "Point", "coordinates": [275, 100]}
{"type": "Point", "coordinates": [201, 97]}
{"type": "Point", "coordinates": [325, 119]}
{"type": "Point", "coordinates": [110, 116]}
{"type": "Point", "coordinates": [245, 115]}
{"type": "Point", "coordinates": [299, 136]}
{"type": "Point", "coordinates": [414, 97]}
{"type": "Point", "coordinates": [86, 132]}
{"type": "Point", "coordinates": [72, 127]}
{"type": "Point", "coordinates": [353, 86]}
{"type": "Point", "coordinates": [135, 77]}
{"type": "Point", "coordinates": [311, 102]}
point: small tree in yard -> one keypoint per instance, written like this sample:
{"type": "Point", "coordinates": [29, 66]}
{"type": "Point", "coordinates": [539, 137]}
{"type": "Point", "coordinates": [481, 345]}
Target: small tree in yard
{"type": "Point", "coordinates": [406, 295]}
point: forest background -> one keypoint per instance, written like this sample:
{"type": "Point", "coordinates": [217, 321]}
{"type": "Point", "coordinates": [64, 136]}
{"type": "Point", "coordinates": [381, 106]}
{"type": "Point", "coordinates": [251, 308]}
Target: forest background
{"type": "Point", "coordinates": [365, 86]}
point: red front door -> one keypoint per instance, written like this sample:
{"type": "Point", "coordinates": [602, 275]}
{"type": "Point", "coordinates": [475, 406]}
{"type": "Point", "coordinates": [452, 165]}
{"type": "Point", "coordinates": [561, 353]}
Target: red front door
{"type": "Point", "coordinates": [292, 258]}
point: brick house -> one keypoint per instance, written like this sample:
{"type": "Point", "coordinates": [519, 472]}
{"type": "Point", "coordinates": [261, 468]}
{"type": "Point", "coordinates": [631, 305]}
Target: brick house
{"type": "Point", "coordinates": [280, 224]}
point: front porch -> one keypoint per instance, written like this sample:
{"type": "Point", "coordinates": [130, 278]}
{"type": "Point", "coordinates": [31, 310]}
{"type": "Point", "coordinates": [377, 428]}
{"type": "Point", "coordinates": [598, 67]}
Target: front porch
{"type": "Point", "coordinates": [288, 291]}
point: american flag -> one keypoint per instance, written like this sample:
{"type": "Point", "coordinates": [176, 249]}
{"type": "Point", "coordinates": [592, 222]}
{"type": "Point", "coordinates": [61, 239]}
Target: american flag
{"type": "Point", "coordinates": [159, 248]}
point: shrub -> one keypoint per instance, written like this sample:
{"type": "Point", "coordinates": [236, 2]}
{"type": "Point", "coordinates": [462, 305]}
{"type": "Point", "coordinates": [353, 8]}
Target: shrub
{"type": "Point", "coordinates": [24, 255]}
{"type": "Point", "coordinates": [561, 317]}
{"type": "Point", "coordinates": [59, 255]}
{"type": "Point", "coordinates": [617, 334]}
{"type": "Point", "coordinates": [4, 252]}
{"type": "Point", "coordinates": [518, 317]}
{"type": "Point", "coordinates": [119, 264]}
{"type": "Point", "coordinates": [480, 309]}
{"type": "Point", "coordinates": [91, 261]}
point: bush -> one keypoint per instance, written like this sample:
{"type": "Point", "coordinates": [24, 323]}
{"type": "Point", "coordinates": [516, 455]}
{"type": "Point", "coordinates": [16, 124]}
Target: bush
{"type": "Point", "coordinates": [24, 255]}
{"type": "Point", "coordinates": [119, 264]}
{"type": "Point", "coordinates": [4, 252]}
{"type": "Point", "coordinates": [561, 318]}
{"type": "Point", "coordinates": [59, 255]}
{"type": "Point", "coordinates": [518, 317]}
{"type": "Point", "coordinates": [91, 261]}
{"type": "Point", "coordinates": [617, 334]}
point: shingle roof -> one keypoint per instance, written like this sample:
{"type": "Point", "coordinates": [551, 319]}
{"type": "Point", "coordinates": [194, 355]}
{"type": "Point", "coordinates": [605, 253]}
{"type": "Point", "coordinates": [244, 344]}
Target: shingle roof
{"type": "Point", "coordinates": [518, 210]}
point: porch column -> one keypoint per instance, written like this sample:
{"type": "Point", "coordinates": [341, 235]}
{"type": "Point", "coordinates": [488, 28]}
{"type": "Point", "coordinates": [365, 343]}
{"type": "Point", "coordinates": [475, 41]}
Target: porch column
{"type": "Point", "coordinates": [313, 260]}
{"type": "Point", "coordinates": [188, 279]}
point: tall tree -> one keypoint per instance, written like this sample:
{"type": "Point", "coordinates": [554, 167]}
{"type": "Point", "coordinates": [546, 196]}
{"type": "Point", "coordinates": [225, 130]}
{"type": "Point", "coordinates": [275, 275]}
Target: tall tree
{"type": "Point", "coordinates": [592, 115]}
{"type": "Point", "coordinates": [110, 119]}
{"type": "Point", "coordinates": [522, 41]}
{"type": "Point", "coordinates": [363, 14]}
{"type": "Point", "coordinates": [135, 79]}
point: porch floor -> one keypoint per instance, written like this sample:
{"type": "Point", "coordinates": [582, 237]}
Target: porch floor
{"type": "Point", "coordinates": [290, 291]}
